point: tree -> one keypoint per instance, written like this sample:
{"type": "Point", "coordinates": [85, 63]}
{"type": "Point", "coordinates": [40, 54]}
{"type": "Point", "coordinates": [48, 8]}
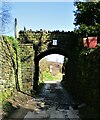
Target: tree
{"type": "Point", "coordinates": [5, 17]}
{"type": "Point", "coordinates": [44, 65]}
{"type": "Point", "coordinates": [87, 17]}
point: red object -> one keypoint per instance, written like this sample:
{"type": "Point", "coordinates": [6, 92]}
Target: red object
{"type": "Point", "coordinates": [90, 42]}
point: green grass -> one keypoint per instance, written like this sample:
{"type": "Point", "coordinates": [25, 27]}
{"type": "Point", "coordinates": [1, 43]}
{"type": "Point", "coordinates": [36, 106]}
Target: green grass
{"type": "Point", "coordinates": [48, 76]}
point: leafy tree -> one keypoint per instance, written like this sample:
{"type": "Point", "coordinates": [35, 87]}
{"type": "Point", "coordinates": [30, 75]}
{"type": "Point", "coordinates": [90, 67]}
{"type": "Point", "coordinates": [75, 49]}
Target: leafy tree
{"type": "Point", "coordinates": [44, 65]}
{"type": "Point", "coordinates": [45, 73]}
{"type": "Point", "coordinates": [87, 17]}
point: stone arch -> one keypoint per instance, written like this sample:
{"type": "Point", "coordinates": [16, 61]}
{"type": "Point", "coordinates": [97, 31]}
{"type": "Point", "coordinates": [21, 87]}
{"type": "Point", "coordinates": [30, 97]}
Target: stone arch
{"type": "Point", "coordinates": [53, 51]}
{"type": "Point", "coordinates": [40, 56]}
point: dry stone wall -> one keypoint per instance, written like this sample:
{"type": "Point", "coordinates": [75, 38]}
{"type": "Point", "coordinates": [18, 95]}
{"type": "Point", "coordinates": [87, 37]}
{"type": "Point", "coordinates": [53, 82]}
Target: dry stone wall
{"type": "Point", "coordinates": [88, 78]}
{"type": "Point", "coordinates": [27, 65]}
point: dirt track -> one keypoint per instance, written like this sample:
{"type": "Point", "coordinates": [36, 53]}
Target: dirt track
{"type": "Point", "coordinates": [52, 102]}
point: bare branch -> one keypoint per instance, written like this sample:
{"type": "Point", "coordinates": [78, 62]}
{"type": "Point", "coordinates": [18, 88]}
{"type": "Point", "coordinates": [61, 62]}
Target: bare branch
{"type": "Point", "coordinates": [5, 17]}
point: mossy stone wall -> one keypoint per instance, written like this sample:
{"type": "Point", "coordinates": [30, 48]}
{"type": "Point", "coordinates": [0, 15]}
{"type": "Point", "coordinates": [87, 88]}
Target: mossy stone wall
{"type": "Point", "coordinates": [88, 78]}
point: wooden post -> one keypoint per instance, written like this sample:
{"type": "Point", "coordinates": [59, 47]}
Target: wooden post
{"type": "Point", "coordinates": [16, 29]}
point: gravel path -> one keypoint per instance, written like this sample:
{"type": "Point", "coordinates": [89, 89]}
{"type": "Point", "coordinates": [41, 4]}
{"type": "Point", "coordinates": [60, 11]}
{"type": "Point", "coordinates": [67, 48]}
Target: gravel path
{"type": "Point", "coordinates": [54, 102]}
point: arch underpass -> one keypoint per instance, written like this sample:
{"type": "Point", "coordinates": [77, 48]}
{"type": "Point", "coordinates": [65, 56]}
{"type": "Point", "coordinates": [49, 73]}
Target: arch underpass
{"type": "Point", "coordinates": [44, 43]}
{"type": "Point", "coordinates": [55, 50]}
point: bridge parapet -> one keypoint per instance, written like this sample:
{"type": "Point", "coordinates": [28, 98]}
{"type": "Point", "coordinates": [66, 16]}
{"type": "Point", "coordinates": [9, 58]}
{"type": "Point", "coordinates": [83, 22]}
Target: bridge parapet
{"type": "Point", "coordinates": [44, 40]}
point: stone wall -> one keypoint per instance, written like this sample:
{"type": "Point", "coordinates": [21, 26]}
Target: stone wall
{"type": "Point", "coordinates": [27, 65]}
{"type": "Point", "coordinates": [88, 78]}
{"type": "Point", "coordinates": [82, 76]}
{"type": "Point", "coordinates": [6, 70]}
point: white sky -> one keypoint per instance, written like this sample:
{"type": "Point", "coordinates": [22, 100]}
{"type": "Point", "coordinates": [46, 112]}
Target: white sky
{"type": "Point", "coordinates": [55, 57]}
